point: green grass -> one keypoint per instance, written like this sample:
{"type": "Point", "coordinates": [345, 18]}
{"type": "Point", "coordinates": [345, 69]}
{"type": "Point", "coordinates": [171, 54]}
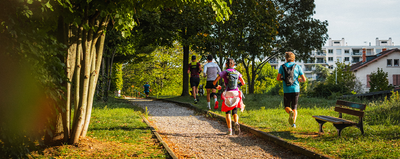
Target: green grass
{"type": "Point", "coordinates": [116, 131]}
{"type": "Point", "coordinates": [381, 125]}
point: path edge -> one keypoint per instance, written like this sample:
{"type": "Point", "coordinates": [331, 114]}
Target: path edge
{"type": "Point", "coordinates": [264, 135]}
{"type": "Point", "coordinates": [159, 138]}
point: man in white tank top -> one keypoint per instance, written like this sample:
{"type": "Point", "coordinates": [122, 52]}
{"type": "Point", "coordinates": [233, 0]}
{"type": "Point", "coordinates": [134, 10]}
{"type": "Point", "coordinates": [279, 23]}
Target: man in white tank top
{"type": "Point", "coordinates": [211, 70]}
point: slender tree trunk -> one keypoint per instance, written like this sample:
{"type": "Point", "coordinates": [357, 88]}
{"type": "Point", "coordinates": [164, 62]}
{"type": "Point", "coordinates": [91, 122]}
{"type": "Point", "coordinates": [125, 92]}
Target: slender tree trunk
{"type": "Point", "coordinates": [94, 77]}
{"type": "Point", "coordinates": [185, 90]}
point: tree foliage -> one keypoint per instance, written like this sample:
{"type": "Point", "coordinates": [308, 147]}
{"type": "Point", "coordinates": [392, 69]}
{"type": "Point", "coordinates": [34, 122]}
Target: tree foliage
{"type": "Point", "coordinates": [378, 81]}
{"type": "Point", "coordinates": [322, 72]}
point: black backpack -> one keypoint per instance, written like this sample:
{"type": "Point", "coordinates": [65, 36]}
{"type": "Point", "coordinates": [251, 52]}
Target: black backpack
{"type": "Point", "coordinates": [289, 74]}
{"type": "Point", "coordinates": [233, 77]}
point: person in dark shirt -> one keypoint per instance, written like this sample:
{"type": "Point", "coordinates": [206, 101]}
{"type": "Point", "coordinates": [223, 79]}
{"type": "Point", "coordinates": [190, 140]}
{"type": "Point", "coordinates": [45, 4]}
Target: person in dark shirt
{"type": "Point", "coordinates": [194, 69]}
{"type": "Point", "coordinates": [146, 89]}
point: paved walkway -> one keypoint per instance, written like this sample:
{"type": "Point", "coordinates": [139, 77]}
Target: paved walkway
{"type": "Point", "coordinates": [195, 136]}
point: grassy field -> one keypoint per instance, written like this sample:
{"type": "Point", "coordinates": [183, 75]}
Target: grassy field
{"type": "Point", "coordinates": [116, 131]}
{"type": "Point", "coordinates": [381, 125]}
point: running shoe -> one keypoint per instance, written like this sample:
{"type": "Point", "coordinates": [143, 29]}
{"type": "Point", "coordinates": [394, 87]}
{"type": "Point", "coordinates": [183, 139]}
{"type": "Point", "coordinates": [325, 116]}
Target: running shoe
{"type": "Point", "coordinates": [294, 125]}
{"type": "Point", "coordinates": [197, 97]}
{"type": "Point", "coordinates": [195, 101]}
{"type": "Point", "coordinates": [291, 119]}
{"type": "Point", "coordinates": [236, 127]}
{"type": "Point", "coordinates": [229, 132]}
{"type": "Point", "coordinates": [216, 105]}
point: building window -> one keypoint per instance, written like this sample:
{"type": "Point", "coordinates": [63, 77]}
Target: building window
{"type": "Point", "coordinates": [396, 80]}
{"type": "Point", "coordinates": [274, 67]}
{"type": "Point", "coordinates": [356, 51]}
{"type": "Point", "coordinates": [383, 42]}
{"type": "Point", "coordinates": [330, 58]}
{"type": "Point", "coordinates": [368, 86]}
{"type": "Point", "coordinates": [369, 51]}
{"type": "Point", "coordinates": [330, 51]}
{"type": "Point", "coordinates": [336, 42]}
{"type": "Point", "coordinates": [346, 51]}
{"type": "Point", "coordinates": [389, 62]}
{"type": "Point", "coordinates": [283, 60]}
{"type": "Point", "coordinates": [339, 59]}
{"type": "Point", "coordinates": [320, 60]}
{"type": "Point", "coordinates": [378, 50]}
{"type": "Point", "coordinates": [356, 59]}
{"type": "Point", "coordinates": [396, 62]}
{"type": "Point", "coordinates": [338, 51]}
{"type": "Point", "coordinates": [346, 58]}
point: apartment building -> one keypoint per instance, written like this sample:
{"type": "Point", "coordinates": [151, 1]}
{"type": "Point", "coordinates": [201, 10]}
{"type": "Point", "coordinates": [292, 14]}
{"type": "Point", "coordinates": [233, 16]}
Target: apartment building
{"type": "Point", "coordinates": [338, 50]}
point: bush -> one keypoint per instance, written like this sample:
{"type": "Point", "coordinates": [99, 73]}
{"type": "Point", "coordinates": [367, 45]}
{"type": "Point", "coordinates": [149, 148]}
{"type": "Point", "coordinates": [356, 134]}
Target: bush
{"type": "Point", "coordinates": [330, 90]}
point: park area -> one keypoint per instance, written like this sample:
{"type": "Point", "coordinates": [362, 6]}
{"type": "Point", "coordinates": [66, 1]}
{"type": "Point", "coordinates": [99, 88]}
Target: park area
{"type": "Point", "coordinates": [75, 75]}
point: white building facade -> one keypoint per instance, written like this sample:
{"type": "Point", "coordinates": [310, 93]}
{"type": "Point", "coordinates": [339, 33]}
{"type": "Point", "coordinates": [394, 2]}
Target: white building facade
{"type": "Point", "coordinates": [338, 50]}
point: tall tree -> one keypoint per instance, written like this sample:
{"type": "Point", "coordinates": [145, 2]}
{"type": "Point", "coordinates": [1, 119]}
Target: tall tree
{"type": "Point", "coordinates": [189, 23]}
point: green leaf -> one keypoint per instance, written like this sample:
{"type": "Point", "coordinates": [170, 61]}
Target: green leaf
{"type": "Point", "coordinates": [29, 1]}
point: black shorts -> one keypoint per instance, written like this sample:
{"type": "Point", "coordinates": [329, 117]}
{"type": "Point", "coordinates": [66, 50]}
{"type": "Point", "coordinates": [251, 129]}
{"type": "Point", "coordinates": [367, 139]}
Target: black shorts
{"type": "Point", "coordinates": [210, 85]}
{"type": "Point", "coordinates": [194, 81]}
{"type": "Point", "coordinates": [147, 93]}
{"type": "Point", "coordinates": [290, 100]}
{"type": "Point", "coordinates": [234, 111]}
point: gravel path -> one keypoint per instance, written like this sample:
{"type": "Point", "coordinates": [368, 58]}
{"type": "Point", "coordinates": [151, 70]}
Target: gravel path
{"type": "Point", "coordinates": [195, 136]}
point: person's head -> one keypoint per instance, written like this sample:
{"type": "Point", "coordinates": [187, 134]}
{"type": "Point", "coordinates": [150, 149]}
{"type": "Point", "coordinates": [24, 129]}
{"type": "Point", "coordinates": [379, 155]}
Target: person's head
{"type": "Point", "coordinates": [230, 63]}
{"type": "Point", "coordinates": [147, 82]}
{"type": "Point", "coordinates": [193, 58]}
{"type": "Point", "coordinates": [209, 57]}
{"type": "Point", "coordinates": [290, 56]}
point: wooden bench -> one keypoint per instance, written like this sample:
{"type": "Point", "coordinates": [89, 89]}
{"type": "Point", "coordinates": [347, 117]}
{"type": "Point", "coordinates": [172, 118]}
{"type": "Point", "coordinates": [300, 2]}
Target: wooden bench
{"type": "Point", "coordinates": [350, 108]}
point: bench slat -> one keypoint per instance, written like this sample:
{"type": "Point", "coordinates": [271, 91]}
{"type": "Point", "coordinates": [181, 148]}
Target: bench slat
{"type": "Point", "coordinates": [351, 104]}
{"type": "Point", "coordinates": [349, 111]}
{"type": "Point", "coordinates": [334, 120]}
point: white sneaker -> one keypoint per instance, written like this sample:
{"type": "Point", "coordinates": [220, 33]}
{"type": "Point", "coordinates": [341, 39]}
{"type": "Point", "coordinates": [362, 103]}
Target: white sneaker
{"type": "Point", "coordinates": [229, 132]}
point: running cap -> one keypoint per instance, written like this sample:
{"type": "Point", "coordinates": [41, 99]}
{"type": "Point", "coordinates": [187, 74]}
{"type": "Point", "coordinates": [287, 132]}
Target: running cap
{"type": "Point", "coordinates": [193, 57]}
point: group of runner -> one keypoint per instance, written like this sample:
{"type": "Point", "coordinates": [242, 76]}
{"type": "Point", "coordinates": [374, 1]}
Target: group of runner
{"type": "Point", "coordinates": [289, 73]}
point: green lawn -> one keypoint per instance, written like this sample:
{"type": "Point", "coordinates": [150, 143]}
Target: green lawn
{"type": "Point", "coordinates": [381, 125]}
{"type": "Point", "coordinates": [116, 131]}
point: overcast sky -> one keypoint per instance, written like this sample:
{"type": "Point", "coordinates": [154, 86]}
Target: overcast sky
{"type": "Point", "coordinates": [359, 21]}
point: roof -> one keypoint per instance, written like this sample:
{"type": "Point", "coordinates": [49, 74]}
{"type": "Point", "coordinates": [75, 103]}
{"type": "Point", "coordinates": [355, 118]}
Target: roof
{"type": "Point", "coordinates": [376, 57]}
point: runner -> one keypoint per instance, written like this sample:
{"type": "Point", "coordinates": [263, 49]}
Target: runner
{"type": "Point", "coordinates": [146, 89]}
{"type": "Point", "coordinates": [291, 86]}
{"type": "Point", "coordinates": [232, 96]}
{"type": "Point", "coordinates": [194, 69]}
{"type": "Point", "coordinates": [211, 70]}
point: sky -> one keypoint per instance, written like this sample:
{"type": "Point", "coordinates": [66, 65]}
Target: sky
{"type": "Point", "coordinates": [359, 21]}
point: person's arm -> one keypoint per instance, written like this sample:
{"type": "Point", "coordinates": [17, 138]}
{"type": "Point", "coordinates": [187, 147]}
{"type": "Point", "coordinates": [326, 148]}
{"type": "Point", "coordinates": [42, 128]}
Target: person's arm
{"type": "Point", "coordinates": [303, 78]}
{"type": "Point", "coordinates": [279, 77]}
{"type": "Point", "coordinates": [216, 80]}
{"type": "Point", "coordinates": [242, 81]}
{"type": "Point", "coordinates": [188, 68]}
{"type": "Point", "coordinates": [205, 70]}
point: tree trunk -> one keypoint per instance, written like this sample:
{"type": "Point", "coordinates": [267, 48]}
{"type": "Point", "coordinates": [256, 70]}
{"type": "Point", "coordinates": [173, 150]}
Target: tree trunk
{"type": "Point", "coordinates": [94, 77]}
{"type": "Point", "coordinates": [185, 90]}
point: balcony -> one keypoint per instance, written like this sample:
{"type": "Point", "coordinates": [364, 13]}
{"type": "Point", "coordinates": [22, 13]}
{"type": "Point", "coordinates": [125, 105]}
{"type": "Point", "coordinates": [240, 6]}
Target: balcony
{"type": "Point", "coordinates": [356, 54]}
{"type": "Point", "coordinates": [321, 61]}
{"type": "Point", "coordinates": [355, 61]}
{"type": "Point", "coordinates": [320, 54]}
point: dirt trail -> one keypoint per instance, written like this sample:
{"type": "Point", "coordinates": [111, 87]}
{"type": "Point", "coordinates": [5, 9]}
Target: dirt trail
{"type": "Point", "coordinates": [195, 136]}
